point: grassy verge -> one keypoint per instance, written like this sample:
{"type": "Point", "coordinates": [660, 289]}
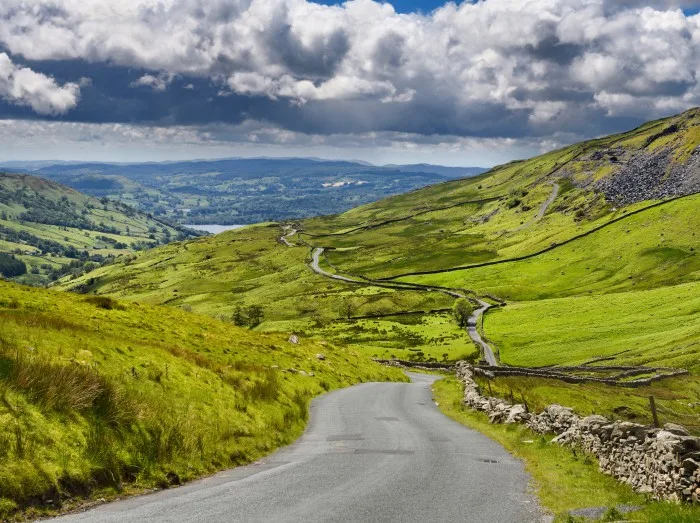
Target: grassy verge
{"type": "Point", "coordinates": [101, 398]}
{"type": "Point", "coordinates": [564, 480]}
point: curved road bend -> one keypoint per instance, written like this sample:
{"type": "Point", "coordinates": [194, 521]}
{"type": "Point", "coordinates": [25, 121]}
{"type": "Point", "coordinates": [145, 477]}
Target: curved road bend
{"type": "Point", "coordinates": [543, 208]}
{"type": "Point", "coordinates": [289, 231]}
{"type": "Point", "coordinates": [472, 330]}
{"type": "Point", "coordinates": [374, 452]}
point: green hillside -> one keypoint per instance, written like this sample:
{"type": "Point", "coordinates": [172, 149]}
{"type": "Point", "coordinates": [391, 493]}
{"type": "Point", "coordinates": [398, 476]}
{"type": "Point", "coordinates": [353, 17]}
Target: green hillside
{"type": "Point", "coordinates": [605, 231]}
{"type": "Point", "coordinates": [48, 230]}
{"type": "Point", "coordinates": [99, 397]}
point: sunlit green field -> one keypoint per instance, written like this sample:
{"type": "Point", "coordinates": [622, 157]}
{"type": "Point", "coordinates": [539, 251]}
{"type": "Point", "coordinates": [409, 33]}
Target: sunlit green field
{"type": "Point", "coordinates": [653, 327]}
{"type": "Point", "coordinates": [659, 246]}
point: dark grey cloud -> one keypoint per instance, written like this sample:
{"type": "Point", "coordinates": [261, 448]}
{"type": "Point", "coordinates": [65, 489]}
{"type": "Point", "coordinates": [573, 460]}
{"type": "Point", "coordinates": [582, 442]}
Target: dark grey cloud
{"type": "Point", "coordinates": [554, 50]}
{"type": "Point", "coordinates": [319, 59]}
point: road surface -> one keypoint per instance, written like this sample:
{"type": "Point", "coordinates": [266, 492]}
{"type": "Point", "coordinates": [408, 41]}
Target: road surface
{"type": "Point", "coordinates": [543, 208]}
{"type": "Point", "coordinates": [373, 452]}
{"type": "Point", "coordinates": [473, 321]}
{"type": "Point", "coordinates": [288, 233]}
{"type": "Point", "coordinates": [316, 258]}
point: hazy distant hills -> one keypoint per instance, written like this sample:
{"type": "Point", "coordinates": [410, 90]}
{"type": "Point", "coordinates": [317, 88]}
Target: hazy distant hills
{"type": "Point", "coordinates": [243, 190]}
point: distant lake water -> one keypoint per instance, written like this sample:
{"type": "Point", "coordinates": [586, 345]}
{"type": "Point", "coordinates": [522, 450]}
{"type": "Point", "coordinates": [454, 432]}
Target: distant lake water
{"type": "Point", "coordinates": [213, 229]}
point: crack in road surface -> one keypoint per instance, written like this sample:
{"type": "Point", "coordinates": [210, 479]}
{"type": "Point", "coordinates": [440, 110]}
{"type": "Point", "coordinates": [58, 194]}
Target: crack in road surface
{"type": "Point", "coordinates": [422, 467]}
{"type": "Point", "coordinates": [472, 323]}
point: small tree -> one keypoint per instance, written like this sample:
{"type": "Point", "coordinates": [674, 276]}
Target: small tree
{"type": "Point", "coordinates": [255, 315]}
{"type": "Point", "coordinates": [238, 317]}
{"type": "Point", "coordinates": [462, 310]}
{"type": "Point", "coordinates": [11, 266]}
{"type": "Point", "coordinates": [346, 309]}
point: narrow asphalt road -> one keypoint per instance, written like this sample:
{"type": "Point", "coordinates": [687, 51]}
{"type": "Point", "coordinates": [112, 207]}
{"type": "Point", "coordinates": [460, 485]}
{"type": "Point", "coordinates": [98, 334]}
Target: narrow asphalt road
{"type": "Point", "coordinates": [473, 321]}
{"type": "Point", "coordinates": [315, 260]}
{"type": "Point", "coordinates": [373, 452]}
{"type": "Point", "coordinates": [288, 233]}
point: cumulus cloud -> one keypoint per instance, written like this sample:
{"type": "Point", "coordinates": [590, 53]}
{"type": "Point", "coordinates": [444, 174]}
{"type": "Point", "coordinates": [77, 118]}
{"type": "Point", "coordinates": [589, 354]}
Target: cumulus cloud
{"type": "Point", "coordinates": [495, 68]}
{"type": "Point", "coordinates": [22, 86]}
{"type": "Point", "coordinates": [336, 88]}
{"type": "Point", "coordinates": [156, 82]}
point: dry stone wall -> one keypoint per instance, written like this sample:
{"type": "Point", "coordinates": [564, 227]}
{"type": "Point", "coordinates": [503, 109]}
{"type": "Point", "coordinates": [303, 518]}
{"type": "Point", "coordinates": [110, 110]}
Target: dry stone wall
{"type": "Point", "coordinates": [664, 463]}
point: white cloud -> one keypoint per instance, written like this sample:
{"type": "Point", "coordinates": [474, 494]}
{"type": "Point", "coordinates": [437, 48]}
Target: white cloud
{"type": "Point", "coordinates": [529, 63]}
{"type": "Point", "coordinates": [158, 83]}
{"type": "Point", "coordinates": [22, 86]}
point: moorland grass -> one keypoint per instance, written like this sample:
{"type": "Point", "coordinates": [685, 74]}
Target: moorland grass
{"type": "Point", "coordinates": [99, 397]}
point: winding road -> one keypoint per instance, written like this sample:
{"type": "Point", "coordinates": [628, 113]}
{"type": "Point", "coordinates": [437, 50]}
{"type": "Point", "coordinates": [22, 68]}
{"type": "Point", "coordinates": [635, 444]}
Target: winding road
{"type": "Point", "coordinates": [472, 323]}
{"type": "Point", "coordinates": [473, 332]}
{"type": "Point", "coordinates": [379, 452]}
{"type": "Point", "coordinates": [289, 231]}
{"type": "Point", "coordinates": [543, 208]}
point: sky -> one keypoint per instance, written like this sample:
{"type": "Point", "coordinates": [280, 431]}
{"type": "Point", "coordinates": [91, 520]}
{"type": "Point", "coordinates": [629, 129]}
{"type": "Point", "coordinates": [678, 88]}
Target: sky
{"type": "Point", "coordinates": [470, 83]}
{"type": "Point", "coordinates": [402, 6]}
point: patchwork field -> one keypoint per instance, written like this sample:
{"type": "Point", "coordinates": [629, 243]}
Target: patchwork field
{"type": "Point", "coordinates": [54, 230]}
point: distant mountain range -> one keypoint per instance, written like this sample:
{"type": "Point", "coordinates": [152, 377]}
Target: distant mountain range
{"type": "Point", "coordinates": [241, 190]}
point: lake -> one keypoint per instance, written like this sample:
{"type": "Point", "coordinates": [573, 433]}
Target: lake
{"type": "Point", "coordinates": [213, 229]}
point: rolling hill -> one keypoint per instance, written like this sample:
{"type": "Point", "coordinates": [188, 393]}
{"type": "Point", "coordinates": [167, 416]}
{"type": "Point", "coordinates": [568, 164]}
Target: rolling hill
{"type": "Point", "coordinates": [48, 230]}
{"type": "Point", "coordinates": [101, 398]}
{"type": "Point", "coordinates": [243, 191]}
{"type": "Point", "coordinates": [601, 234]}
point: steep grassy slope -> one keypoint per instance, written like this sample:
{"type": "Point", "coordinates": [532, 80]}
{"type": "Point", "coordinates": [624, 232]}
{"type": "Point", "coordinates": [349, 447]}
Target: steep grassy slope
{"type": "Point", "coordinates": [654, 247]}
{"type": "Point", "coordinates": [598, 180]}
{"type": "Point", "coordinates": [98, 396]}
{"type": "Point", "coordinates": [48, 226]}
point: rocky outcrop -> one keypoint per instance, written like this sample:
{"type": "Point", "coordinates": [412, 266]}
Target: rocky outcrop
{"type": "Point", "coordinates": [664, 463]}
{"type": "Point", "coordinates": [650, 176]}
